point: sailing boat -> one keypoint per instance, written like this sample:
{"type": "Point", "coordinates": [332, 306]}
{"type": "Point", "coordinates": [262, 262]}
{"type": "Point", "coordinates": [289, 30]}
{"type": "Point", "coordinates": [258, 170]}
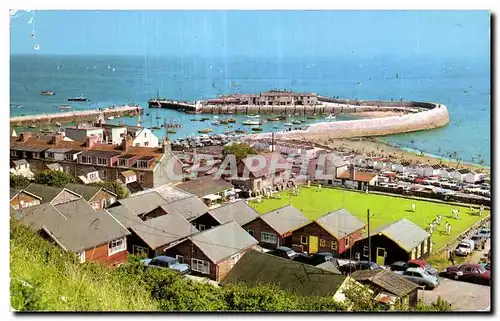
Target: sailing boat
{"type": "Point", "coordinates": [171, 127]}
{"type": "Point", "coordinates": [157, 126]}
{"type": "Point", "coordinates": [288, 124]}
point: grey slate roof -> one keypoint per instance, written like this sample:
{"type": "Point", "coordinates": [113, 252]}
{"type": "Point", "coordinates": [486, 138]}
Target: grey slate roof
{"type": "Point", "coordinates": [86, 191]}
{"type": "Point", "coordinates": [190, 208]}
{"type": "Point", "coordinates": [47, 193]}
{"type": "Point", "coordinates": [302, 279]}
{"type": "Point", "coordinates": [240, 212]}
{"type": "Point", "coordinates": [19, 162]}
{"type": "Point", "coordinates": [205, 185]}
{"type": "Point", "coordinates": [329, 266]}
{"type": "Point", "coordinates": [340, 223]}
{"type": "Point", "coordinates": [14, 192]}
{"type": "Point", "coordinates": [223, 241]}
{"type": "Point", "coordinates": [54, 166]}
{"type": "Point", "coordinates": [387, 280]}
{"type": "Point", "coordinates": [156, 232]}
{"type": "Point", "coordinates": [143, 203]}
{"type": "Point", "coordinates": [285, 219]}
{"type": "Point", "coordinates": [75, 225]}
{"type": "Point", "coordinates": [88, 169]}
{"type": "Point", "coordinates": [404, 232]}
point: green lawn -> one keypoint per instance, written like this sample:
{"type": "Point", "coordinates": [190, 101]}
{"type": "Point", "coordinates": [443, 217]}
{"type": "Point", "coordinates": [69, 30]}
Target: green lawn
{"type": "Point", "coordinates": [383, 209]}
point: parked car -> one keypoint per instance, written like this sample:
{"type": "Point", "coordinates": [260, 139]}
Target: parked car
{"type": "Point", "coordinates": [315, 259]}
{"type": "Point", "coordinates": [474, 273]}
{"type": "Point", "coordinates": [167, 262]}
{"type": "Point", "coordinates": [285, 252]}
{"type": "Point", "coordinates": [403, 266]}
{"type": "Point", "coordinates": [420, 277]}
{"type": "Point", "coordinates": [485, 232]}
{"type": "Point", "coordinates": [465, 248]}
{"type": "Point", "coordinates": [360, 265]}
{"type": "Point", "coordinates": [479, 242]}
{"type": "Point", "coordinates": [487, 267]}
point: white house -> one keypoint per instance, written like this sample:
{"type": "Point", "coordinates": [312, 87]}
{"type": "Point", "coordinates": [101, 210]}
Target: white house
{"type": "Point", "coordinates": [144, 138]}
{"type": "Point", "coordinates": [387, 165]}
{"type": "Point", "coordinates": [419, 169]}
{"type": "Point", "coordinates": [378, 163]}
{"type": "Point", "coordinates": [432, 170]}
{"type": "Point", "coordinates": [460, 174]}
{"type": "Point", "coordinates": [403, 167]}
{"type": "Point", "coordinates": [128, 176]}
{"type": "Point", "coordinates": [21, 167]}
{"type": "Point", "coordinates": [114, 135]}
{"type": "Point", "coordinates": [473, 177]}
{"type": "Point", "coordinates": [445, 172]}
{"type": "Point", "coordinates": [89, 175]}
{"type": "Point", "coordinates": [361, 161]}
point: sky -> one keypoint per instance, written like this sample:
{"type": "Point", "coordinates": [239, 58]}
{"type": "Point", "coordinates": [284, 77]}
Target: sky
{"type": "Point", "coordinates": [253, 33]}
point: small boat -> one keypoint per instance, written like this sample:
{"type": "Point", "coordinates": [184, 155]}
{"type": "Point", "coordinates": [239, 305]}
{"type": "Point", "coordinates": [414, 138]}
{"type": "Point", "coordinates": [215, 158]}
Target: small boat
{"type": "Point", "coordinates": [231, 120]}
{"type": "Point", "coordinates": [48, 93]}
{"type": "Point", "coordinates": [205, 118]}
{"type": "Point", "coordinates": [241, 131]}
{"type": "Point", "coordinates": [195, 119]}
{"type": "Point", "coordinates": [330, 117]}
{"type": "Point", "coordinates": [229, 126]}
{"type": "Point", "coordinates": [111, 117]}
{"type": "Point", "coordinates": [250, 122]}
{"type": "Point", "coordinates": [273, 119]}
{"type": "Point", "coordinates": [58, 124]}
{"type": "Point", "coordinates": [296, 122]}
{"type": "Point", "coordinates": [158, 117]}
{"type": "Point", "coordinates": [223, 121]}
{"type": "Point", "coordinates": [147, 114]}
{"type": "Point", "coordinates": [256, 129]}
{"type": "Point", "coordinates": [288, 124]}
{"type": "Point", "coordinates": [155, 127]}
{"type": "Point", "coordinates": [276, 127]}
{"type": "Point", "coordinates": [64, 107]}
{"type": "Point", "coordinates": [80, 98]}
{"type": "Point", "coordinates": [171, 130]}
{"type": "Point", "coordinates": [46, 130]}
{"type": "Point", "coordinates": [253, 116]}
{"type": "Point", "coordinates": [215, 122]}
{"type": "Point", "coordinates": [205, 131]}
{"type": "Point", "coordinates": [32, 126]}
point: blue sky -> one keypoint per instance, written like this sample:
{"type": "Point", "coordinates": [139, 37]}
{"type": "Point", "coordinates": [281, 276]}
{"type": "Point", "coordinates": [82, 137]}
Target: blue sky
{"type": "Point", "coordinates": [254, 33]}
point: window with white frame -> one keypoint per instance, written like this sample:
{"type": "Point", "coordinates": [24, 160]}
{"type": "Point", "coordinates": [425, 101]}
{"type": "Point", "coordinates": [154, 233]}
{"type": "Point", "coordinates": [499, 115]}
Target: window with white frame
{"type": "Point", "coordinates": [13, 153]}
{"type": "Point", "coordinates": [117, 246]}
{"type": "Point", "coordinates": [122, 162]}
{"type": "Point", "coordinates": [201, 227]}
{"type": "Point", "coordinates": [322, 243]}
{"type": "Point", "coordinates": [365, 251]}
{"type": "Point", "coordinates": [49, 155]}
{"type": "Point", "coordinates": [140, 178]}
{"type": "Point", "coordinates": [146, 144]}
{"type": "Point", "coordinates": [251, 232]}
{"type": "Point", "coordinates": [268, 237]}
{"type": "Point", "coordinates": [68, 157]}
{"type": "Point", "coordinates": [333, 245]}
{"type": "Point", "coordinates": [347, 241]}
{"type": "Point", "coordinates": [102, 161]}
{"type": "Point", "coordinates": [179, 258]}
{"type": "Point", "coordinates": [234, 259]}
{"type": "Point", "coordinates": [200, 266]}
{"type": "Point", "coordinates": [303, 239]}
{"type": "Point", "coordinates": [86, 159]}
{"type": "Point", "coordinates": [92, 175]}
{"type": "Point", "coordinates": [142, 164]}
{"type": "Point", "coordinates": [36, 155]}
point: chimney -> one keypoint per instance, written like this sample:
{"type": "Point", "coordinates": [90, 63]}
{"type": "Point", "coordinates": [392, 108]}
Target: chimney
{"type": "Point", "coordinates": [90, 141]}
{"type": "Point", "coordinates": [127, 142]}
{"type": "Point", "coordinates": [23, 137]}
{"type": "Point", "coordinates": [352, 172]}
{"type": "Point", "coordinates": [166, 146]}
{"type": "Point", "coordinates": [56, 139]}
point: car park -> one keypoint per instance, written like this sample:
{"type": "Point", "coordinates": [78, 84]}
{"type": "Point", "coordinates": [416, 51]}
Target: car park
{"type": "Point", "coordinates": [403, 266]}
{"type": "Point", "coordinates": [474, 273]}
{"type": "Point", "coordinates": [421, 277]}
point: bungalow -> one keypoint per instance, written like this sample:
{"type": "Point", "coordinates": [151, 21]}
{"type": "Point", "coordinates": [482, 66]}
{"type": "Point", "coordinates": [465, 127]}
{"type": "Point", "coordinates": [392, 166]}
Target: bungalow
{"type": "Point", "coordinates": [51, 194]}
{"type": "Point", "coordinates": [358, 179]}
{"type": "Point", "coordinates": [446, 172]}
{"type": "Point", "coordinates": [23, 199]}
{"type": "Point", "coordinates": [214, 252]}
{"type": "Point", "coordinates": [21, 167]}
{"type": "Point", "coordinates": [208, 189]}
{"type": "Point", "coordinates": [128, 177]}
{"type": "Point", "coordinates": [334, 232]}
{"type": "Point", "coordinates": [372, 162]}
{"type": "Point", "coordinates": [389, 288]}
{"type": "Point", "coordinates": [378, 163]}
{"type": "Point", "coordinates": [96, 196]}
{"type": "Point", "coordinates": [473, 177]}
{"type": "Point", "coordinates": [402, 240]}
{"type": "Point", "coordinates": [275, 228]}
{"type": "Point", "coordinates": [460, 174]}
{"type": "Point", "coordinates": [419, 169]}
{"type": "Point", "coordinates": [239, 211]}
{"type": "Point", "coordinates": [432, 170]}
{"type": "Point", "coordinates": [387, 165]}
{"type": "Point", "coordinates": [76, 227]}
{"type": "Point", "coordinates": [361, 161]}
{"type": "Point", "coordinates": [88, 175]}
{"type": "Point", "coordinates": [291, 276]}
{"type": "Point", "coordinates": [403, 167]}
{"type": "Point", "coordinates": [150, 237]}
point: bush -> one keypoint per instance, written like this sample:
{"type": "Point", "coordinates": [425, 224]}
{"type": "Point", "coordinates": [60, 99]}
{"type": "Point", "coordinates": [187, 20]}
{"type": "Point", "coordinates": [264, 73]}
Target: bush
{"type": "Point", "coordinates": [239, 150]}
{"type": "Point", "coordinates": [54, 178]}
{"type": "Point", "coordinates": [18, 181]}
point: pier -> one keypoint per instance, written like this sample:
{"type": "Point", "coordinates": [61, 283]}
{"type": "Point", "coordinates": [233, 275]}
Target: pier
{"type": "Point", "coordinates": [80, 116]}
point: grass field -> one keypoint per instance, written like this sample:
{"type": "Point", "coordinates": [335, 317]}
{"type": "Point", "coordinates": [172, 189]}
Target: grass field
{"type": "Point", "coordinates": [383, 209]}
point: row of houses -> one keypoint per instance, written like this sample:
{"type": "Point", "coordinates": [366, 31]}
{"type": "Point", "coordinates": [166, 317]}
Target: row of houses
{"type": "Point", "coordinates": [421, 170]}
{"type": "Point", "coordinates": [92, 161]}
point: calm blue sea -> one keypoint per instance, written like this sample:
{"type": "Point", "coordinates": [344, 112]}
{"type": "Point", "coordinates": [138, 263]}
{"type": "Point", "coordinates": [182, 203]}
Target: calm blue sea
{"type": "Point", "coordinates": [464, 86]}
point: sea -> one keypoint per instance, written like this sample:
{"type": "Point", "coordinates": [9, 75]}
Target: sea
{"type": "Point", "coordinates": [462, 85]}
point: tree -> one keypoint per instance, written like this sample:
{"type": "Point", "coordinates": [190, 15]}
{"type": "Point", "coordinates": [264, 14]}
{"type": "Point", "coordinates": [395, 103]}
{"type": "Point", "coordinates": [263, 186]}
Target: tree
{"type": "Point", "coordinates": [239, 150]}
{"type": "Point", "coordinates": [54, 178]}
{"type": "Point", "coordinates": [18, 181]}
{"type": "Point", "coordinates": [114, 187]}
{"type": "Point", "coordinates": [438, 305]}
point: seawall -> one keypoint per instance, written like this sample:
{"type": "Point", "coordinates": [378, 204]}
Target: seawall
{"type": "Point", "coordinates": [82, 115]}
{"type": "Point", "coordinates": [429, 117]}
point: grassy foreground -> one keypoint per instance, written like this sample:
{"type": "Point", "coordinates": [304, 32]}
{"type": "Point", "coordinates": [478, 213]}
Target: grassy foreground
{"type": "Point", "coordinates": [383, 209]}
{"type": "Point", "coordinates": [45, 278]}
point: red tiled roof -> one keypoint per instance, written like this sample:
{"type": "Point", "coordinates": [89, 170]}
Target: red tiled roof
{"type": "Point", "coordinates": [358, 176]}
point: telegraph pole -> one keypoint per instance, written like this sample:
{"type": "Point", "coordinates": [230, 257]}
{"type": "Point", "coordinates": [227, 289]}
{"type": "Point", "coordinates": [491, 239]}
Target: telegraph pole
{"type": "Point", "coordinates": [369, 237]}
{"type": "Point", "coordinates": [272, 149]}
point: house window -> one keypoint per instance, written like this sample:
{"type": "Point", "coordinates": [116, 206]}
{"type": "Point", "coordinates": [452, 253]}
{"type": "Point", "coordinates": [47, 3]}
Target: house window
{"type": "Point", "coordinates": [86, 159]}
{"type": "Point", "coordinates": [303, 239]}
{"type": "Point", "coordinates": [146, 144]}
{"type": "Point", "coordinates": [234, 259]}
{"type": "Point", "coordinates": [268, 237]}
{"type": "Point", "coordinates": [142, 164]}
{"type": "Point", "coordinates": [81, 256]}
{"type": "Point", "coordinates": [201, 227]}
{"type": "Point", "coordinates": [13, 153]}
{"type": "Point", "coordinates": [333, 245]}
{"type": "Point", "coordinates": [322, 243]}
{"type": "Point", "coordinates": [36, 155]}
{"type": "Point", "coordinates": [140, 251]}
{"type": "Point", "coordinates": [140, 178]}
{"type": "Point", "coordinates": [116, 246]}
{"type": "Point", "coordinates": [122, 162]}
{"type": "Point", "coordinates": [50, 155]}
{"type": "Point", "coordinates": [347, 241]}
{"type": "Point", "coordinates": [179, 258]}
{"type": "Point", "coordinates": [92, 175]}
{"type": "Point", "coordinates": [251, 232]}
{"type": "Point", "coordinates": [366, 251]}
{"type": "Point", "coordinates": [200, 266]}
{"type": "Point", "coordinates": [68, 157]}
{"type": "Point", "coordinates": [102, 161]}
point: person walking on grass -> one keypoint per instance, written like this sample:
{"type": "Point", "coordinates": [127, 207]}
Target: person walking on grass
{"type": "Point", "coordinates": [452, 257]}
{"type": "Point", "coordinates": [413, 207]}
